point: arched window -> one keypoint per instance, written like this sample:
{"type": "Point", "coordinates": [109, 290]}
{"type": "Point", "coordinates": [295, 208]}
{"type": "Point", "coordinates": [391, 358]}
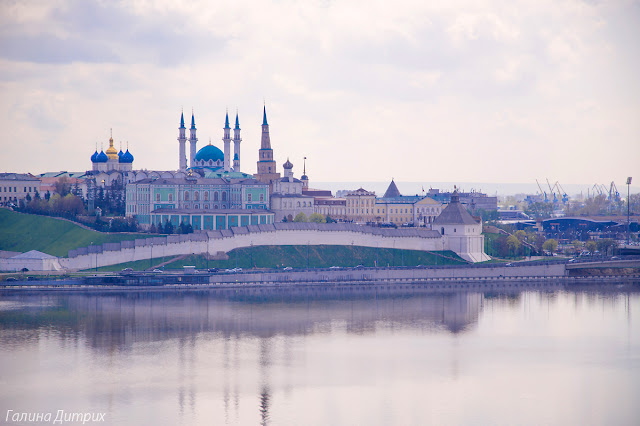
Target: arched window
{"type": "Point", "coordinates": [186, 195]}
{"type": "Point", "coordinates": [215, 196]}
{"type": "Point", "coordinates": [157, 197]}
{"type": "Point", "coordinates": [206, 195]}
{"type": "Point", "coordinates": [249, 197]}
{"type": "Point", "coordinates": [298, 203]}
{"type": "Point", "coordinates": [262, 198]}
{"type": "Point", "coordinates": [224, 196]}
{"type": "Point", "coordinates": [170, 197]}
{"type": "Point", "coordinates": [442, 230]}
{"type": "Point", "coordinates": [196, 196]}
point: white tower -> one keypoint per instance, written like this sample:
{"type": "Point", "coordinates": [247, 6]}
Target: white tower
{"type": "Point", "coordinates": [192, 142]}
{"type": "Point", "coordinates": [182, 140]}
{"type": "Point", "coordinates": [236, 145]}
{"type": "Point", "coordinates": [227, 144]}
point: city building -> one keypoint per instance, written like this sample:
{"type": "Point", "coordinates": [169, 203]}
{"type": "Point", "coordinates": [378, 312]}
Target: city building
{"type": "Point", "coordinates": [400, 209]}
{"type": "Point", "coordinates": [287, 199]}
{"type": "Point", "coordinates": [336, 208]}
{"type": "Point", "coordinates": [360, 205]}
{"type": "Point", "coordinates": [17, 186]}
{"type": "Point", "coordinates": [472, 200]}
{"type": "Point", "coordinates": [204, 203]}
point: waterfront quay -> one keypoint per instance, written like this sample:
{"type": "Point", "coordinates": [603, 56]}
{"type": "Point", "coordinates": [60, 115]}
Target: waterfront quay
{"type": "Point", "coordinates": [487, 276]}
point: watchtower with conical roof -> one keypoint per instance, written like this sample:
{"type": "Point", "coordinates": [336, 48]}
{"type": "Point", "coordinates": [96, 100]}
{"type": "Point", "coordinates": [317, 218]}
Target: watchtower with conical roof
{"type": "Point", "coordinates": [266, 165]}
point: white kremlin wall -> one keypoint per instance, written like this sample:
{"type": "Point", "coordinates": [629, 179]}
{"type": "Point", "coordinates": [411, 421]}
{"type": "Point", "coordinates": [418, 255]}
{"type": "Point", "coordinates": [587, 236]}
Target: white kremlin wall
{"type": "Point", "coordinates": [276, 234]}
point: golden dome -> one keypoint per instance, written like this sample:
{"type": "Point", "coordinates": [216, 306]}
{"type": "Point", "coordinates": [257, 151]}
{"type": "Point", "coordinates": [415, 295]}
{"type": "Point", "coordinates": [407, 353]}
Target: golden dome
{"type": "Point", "coordinates": [111, 152]}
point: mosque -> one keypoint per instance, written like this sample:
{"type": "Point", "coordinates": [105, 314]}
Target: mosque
{"type": "Point", "coordinates": [209, 190]}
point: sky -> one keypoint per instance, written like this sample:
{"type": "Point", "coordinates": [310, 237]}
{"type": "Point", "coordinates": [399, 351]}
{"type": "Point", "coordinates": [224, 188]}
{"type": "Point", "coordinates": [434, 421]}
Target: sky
{"type": "Point", "coordinates": [419, 91]}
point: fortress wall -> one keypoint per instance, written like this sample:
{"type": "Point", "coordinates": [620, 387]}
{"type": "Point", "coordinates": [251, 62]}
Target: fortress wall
{"type": "Point", "coordinates": [214, 241]}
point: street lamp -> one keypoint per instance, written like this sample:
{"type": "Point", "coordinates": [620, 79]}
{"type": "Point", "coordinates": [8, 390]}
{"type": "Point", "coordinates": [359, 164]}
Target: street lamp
{"type": "Point", "coordinates": [151, 260]}
{"type": "Point", "coordinates": [90, 244]}
{"type": "Point", "coordinates": [628, 206]}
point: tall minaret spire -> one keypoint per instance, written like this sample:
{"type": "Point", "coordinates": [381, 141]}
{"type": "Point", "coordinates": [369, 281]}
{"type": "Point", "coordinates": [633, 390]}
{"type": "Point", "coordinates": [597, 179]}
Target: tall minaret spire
{"type": "Point", "coordinates": [236, 145]}
{"type": "Point", "coordinates": [266, 166]}
{"type": "Point", "coordinates": [227, 144]}
{"type": "Point", "coordinates": [192, 141]}
{"type": "Point", "coordinates": [182, 140]}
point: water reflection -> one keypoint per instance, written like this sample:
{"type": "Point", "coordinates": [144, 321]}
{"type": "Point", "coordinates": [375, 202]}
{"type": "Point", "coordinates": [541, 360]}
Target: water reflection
{"type": "Point", "coordinates": [281, 357]}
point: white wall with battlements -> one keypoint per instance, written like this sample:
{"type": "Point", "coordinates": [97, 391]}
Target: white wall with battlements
{"type": "Point", "coordinates": [291, 234]}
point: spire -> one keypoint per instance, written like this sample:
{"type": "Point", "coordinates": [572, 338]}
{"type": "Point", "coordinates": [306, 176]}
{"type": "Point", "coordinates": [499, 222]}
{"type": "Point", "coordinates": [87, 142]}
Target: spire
{"type": "Point", "coordinates": [193, 121]}
{"type": "Point", "coordinates": [182, 120]}
{"type": "Point", "coordinates": [226, 121]}
{"type": "Point", "coordinates": [237, 122]}
{"type": "Point", "coordinates": [264, 117]}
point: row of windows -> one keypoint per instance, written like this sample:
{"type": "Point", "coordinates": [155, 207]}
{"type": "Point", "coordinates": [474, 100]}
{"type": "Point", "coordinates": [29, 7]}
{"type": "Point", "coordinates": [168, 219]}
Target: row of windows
{"type": "Point", "coordinates": [261, 198]}
{"type": "Point", "coordinates": [15, 189]}
{"type": "Point", "coordinates": [289, 204]}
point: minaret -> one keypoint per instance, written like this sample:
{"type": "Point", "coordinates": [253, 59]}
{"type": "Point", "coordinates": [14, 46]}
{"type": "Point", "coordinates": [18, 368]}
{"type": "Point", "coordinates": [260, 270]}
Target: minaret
{"type": "Point", "coordinates": [227, 144]}
{"type": "Point", "coordinates": [266, 165]}
{"type": "Point", "coordinates": [182, 140]}
{"type": "Point", "coordinates": [192, 142]}
{"type": "Point", "coordinates": [236, 145]}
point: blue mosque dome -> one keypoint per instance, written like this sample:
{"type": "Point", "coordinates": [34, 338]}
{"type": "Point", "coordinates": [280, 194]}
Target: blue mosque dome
{"type": "Point", "coordinates": [209, 152]}
{"type": "Point", "coordinates": [94, 157]}
{"type": "Point", "coordinates": [126, 157]}
{"type": "Point", "coordinates": [102, 157]}
{"type": "Point", "coordinates": [120, 154]}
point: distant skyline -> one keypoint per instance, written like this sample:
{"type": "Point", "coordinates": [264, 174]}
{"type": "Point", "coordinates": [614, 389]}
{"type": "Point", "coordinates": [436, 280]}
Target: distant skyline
{"type": "Point", "coordinates": [457, 91]}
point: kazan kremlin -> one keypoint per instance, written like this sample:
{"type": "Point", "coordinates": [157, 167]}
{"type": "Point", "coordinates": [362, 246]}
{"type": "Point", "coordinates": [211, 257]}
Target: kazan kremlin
{"type": "Point", "coordinates": [210, 192]}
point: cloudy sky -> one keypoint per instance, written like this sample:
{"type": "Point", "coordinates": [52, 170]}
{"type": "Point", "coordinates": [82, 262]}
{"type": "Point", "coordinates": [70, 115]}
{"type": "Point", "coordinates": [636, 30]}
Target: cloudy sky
{"type": "Point", "coordinates": [426, 91]}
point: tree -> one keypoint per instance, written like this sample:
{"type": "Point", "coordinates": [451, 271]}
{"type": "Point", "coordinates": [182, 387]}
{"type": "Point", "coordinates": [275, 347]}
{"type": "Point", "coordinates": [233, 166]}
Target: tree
{"type": "Point", "coordinates": [168, 227]}
{"type": "Point", "coordinates": [591, 246]}
{"type": "Point", "coordinates": [63, 186]}
{"type": "Point", "coordinates": [542, 210]}
{"type": "Point", "coordinates": [550, 245]}
{"type": "Point", "coordinates": [47, 195]}
{"type": "Point", "coordinates": [605, 244]}
{"type": "Point", "coordinates": [317, 218]}
{"type": "Point", "coordinates": [153, 229]}
{"type": "Point", "coordinates": [300, 217]}
{"type": "Point", "coordinates": [185, 228]}
{"type": "Point", "coordinates": [329, 219]}
{"type": "Point", "coordinates": [577, 245]}
{"type": "Point", "coordinates": [514, 244]}
{"type": "Point", "coordinates": [36, 195]}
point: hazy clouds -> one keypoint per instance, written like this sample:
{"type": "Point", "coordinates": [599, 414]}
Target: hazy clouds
{"type": "Point", "coordinates": [458, 91]}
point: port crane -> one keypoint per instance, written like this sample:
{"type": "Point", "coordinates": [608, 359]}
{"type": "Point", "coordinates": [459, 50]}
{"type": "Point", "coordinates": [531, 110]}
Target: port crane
{"type": "Point", "coordinates": [542, 192]}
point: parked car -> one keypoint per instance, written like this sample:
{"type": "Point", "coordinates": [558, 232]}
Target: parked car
{"type": "Point", "coordinates": [359, 267]}
{"type": "Point", "coordinates": [334, 267]}
{"type": "Point", "coordinates": [213, 270]}
{"type": "Point", "coordinates": [288, 268]}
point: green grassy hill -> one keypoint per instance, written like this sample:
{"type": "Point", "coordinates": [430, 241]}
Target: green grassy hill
{"type": "Point", "coordinates": [24, 232]}
{"type": "Point", "coordinates": [296, 256]}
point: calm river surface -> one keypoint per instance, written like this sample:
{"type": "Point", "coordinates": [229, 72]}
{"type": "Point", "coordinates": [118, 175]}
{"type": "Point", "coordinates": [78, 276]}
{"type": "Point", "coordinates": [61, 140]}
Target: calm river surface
{"type": "Point", "coordinates": [356, 357]}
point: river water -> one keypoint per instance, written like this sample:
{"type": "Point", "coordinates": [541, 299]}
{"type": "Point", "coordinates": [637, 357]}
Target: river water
{"type": "Point", "coordinates": [332, 357]}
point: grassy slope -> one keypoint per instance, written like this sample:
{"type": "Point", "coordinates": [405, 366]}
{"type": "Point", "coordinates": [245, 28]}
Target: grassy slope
{"type": "Point", "coordinates": [24, 232]}
{"type": "Point", "coordinates": [296, 256]}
